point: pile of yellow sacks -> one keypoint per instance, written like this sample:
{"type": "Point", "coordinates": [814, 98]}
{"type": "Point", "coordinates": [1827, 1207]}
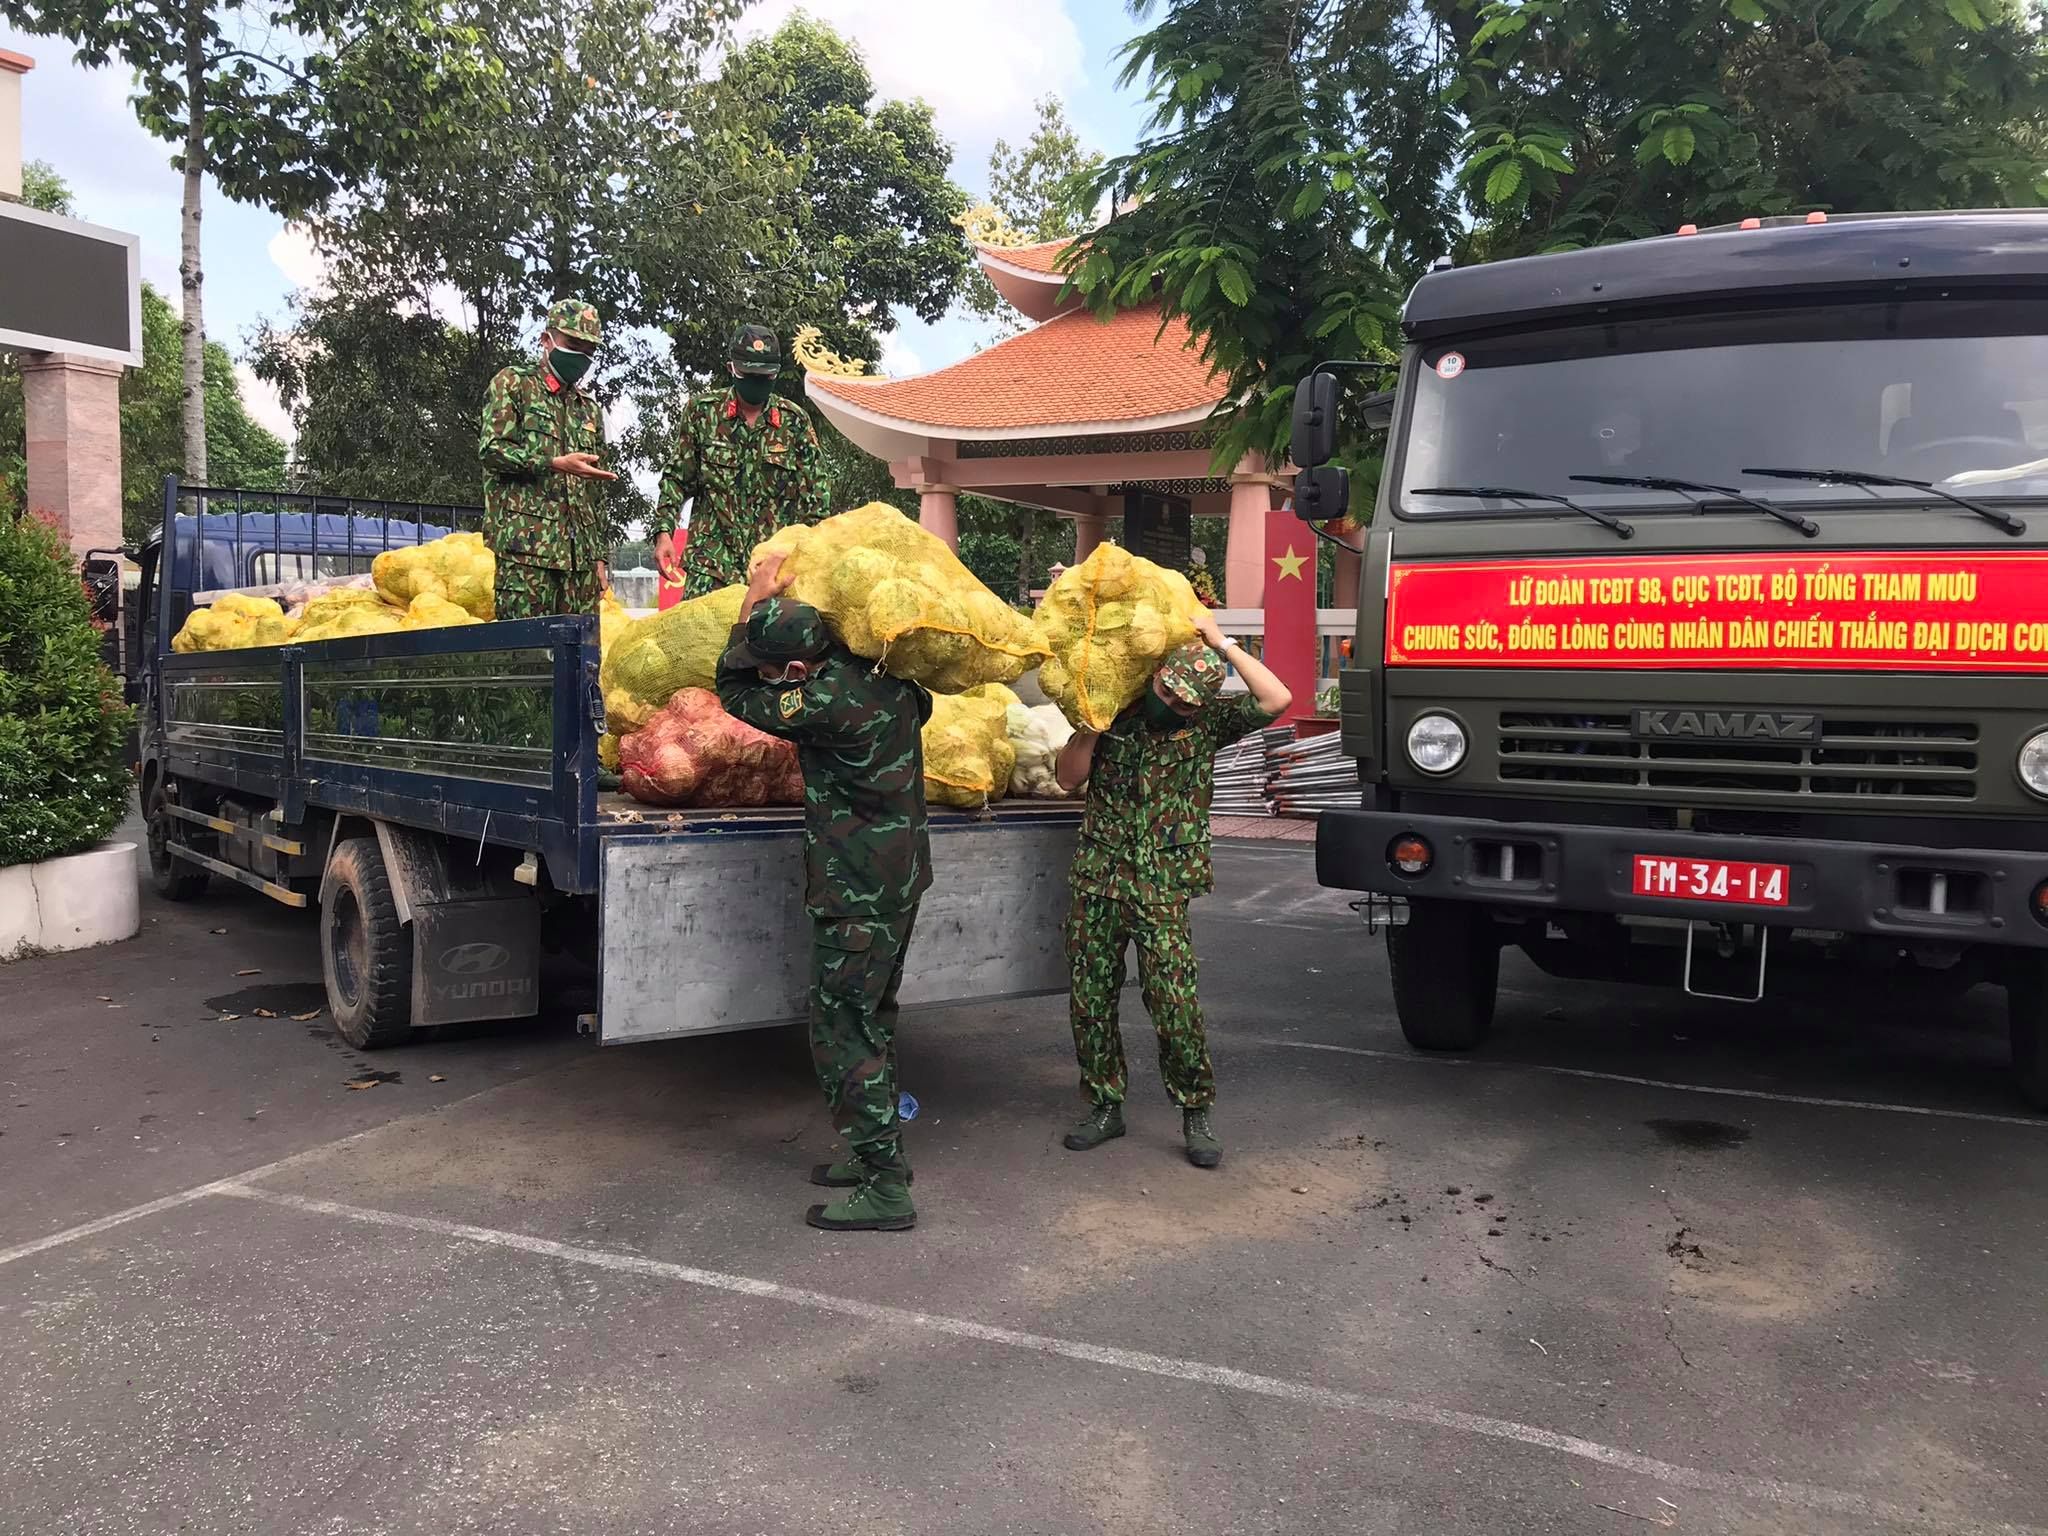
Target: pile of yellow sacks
{"type": "Point", "coordinates": [896, 593]}
{"type": "Point", "coordinates": [428, 586]}
{"type": "Point", "coordinates": [968, 756]}
{"type": "Point", "coordinates": [1110, 620]}
{"type": "Point", "coordinates": [458, 569]}
{"type": "Point", "coordinates": [648, 661]}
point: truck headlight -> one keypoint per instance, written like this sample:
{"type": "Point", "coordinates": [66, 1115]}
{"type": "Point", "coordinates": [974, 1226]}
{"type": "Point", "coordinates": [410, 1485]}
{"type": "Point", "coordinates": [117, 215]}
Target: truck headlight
{"type": "Point", "coordinates": [1436, 744]}
{"type": "Point", "coordinates": [2033, 763]}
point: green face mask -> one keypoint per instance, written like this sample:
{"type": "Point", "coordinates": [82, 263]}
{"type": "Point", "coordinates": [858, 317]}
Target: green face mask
{"type": "Point", "coordinates": [754, 388]}
{"type": "Point", "coordinates": [1160, 715]}
{"type": "Point", "coordinates": [568, 366]}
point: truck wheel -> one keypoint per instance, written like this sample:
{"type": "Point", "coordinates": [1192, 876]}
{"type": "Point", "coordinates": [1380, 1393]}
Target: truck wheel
{"type": "Point", "coordinates": [365, 951]}
{"type": "Point", "coordinates": [1445, 964]}
{"type": "Point", "coordinates": [171, 877]}
{"type": "Point", "coordinates": [2026, 1007]}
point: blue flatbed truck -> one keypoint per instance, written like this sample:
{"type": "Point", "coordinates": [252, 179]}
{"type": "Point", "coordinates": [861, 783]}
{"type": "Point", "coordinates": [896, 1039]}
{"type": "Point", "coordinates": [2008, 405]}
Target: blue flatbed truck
{"type": "Point", "coordinates": [435, 794]}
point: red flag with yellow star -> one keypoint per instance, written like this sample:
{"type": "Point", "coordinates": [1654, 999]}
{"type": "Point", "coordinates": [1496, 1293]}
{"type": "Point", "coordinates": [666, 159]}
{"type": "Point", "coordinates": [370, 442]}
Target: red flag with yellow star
{"type": "Point", "coordinates": [1291, 609]}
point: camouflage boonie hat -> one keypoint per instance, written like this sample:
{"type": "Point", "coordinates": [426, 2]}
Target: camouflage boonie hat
{"type": "Point", "coordinates": [576, 320]}
{"type": "Point", "coordinates": [781, 629]}
{"type": "Point", "coordinates": [755, 350]}
{"type": "Point", "coordinates": [1192, 673]}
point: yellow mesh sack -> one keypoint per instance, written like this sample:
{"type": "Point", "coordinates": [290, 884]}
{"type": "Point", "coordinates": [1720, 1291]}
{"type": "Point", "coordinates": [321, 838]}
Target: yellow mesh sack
{"type": "Point", "coordinates": [458, 568]}
{"type": "Point", "coordinates": [608, 752]}
{"type": "Point", "coordinates": [612, 621]}
{"type": "Point", "coordinates": [896, 593]}
{"type": "Point", "coordinates": [428, 611]}
{"type": "Point", "coordinates": [233, 622]}
{"type": "Point", "coordinates": [649, 660]}
{"type": "Point", "coordinates": [967, 752]}
{"type": "Point", "coordinates": [341, 620]}
{"type": "Point", "coordinates": [1110, 620]}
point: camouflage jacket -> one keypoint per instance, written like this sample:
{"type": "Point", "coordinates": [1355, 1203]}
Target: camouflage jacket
{"type": "Point", "coordinates": [867, 852]}
{"type": "Point", "coordinates": [531, 513]}
{"type": "Point", "coordinates": [742, 482]}
{"type": "Point", "coordinates": [1145, 835]}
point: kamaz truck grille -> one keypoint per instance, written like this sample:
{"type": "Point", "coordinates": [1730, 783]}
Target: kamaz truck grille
{"type": "Point", "coordinates": [1893, 760]}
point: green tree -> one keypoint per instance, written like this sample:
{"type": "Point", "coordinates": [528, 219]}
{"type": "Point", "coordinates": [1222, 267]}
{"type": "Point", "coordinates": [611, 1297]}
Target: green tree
{"type": "Point", "coordinates": [283, 102]}
{"type": "Point", "coordinates": [1307, 158]}
{"type": "Point", "coordinates": [63, 782]}
{"type": "Point", "coordinates": [1041, 191]}
{"type": "Point", "coordinates": [241, 452]}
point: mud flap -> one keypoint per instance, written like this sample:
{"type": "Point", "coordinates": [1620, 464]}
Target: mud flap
{"type": "Point", "coordinates": [475, 960]}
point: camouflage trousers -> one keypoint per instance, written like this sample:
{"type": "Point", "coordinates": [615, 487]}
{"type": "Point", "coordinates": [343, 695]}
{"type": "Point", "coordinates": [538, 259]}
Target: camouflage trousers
{"type": "Point", "coordinates": [856, 971]}
{"type": "Point", "coordinates": [526, 591]}
{"type": "Point", "coordinates": [1099, 930]}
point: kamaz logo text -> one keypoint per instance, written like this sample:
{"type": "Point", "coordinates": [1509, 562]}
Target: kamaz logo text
{"type": "Point", "coordinates": [1726, 725]}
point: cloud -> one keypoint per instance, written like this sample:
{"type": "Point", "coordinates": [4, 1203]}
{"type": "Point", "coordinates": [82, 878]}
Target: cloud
{"type": "Point", "coordinates": [980, 64]}
{"type": "Point", "coordinates": [262, 402]}
{"type": "Point", "coordinates": [303, 263]}
{"type": "Point", "coordinates": [899, 360]}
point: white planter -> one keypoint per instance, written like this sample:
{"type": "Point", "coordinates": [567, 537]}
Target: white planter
{"type": "Point", "coordinates": [70, 903]}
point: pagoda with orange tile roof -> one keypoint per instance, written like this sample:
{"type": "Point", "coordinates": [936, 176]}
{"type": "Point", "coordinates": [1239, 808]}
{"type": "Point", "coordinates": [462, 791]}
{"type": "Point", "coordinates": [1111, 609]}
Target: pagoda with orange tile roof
{"type": "Point", "coordinates": [1079, 415]}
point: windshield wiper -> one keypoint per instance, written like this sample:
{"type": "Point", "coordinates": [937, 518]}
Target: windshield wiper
{"type": "Point", "coordinates": [1805, 525]}
{"type": "Point", "coordinates": [1510, 493]}
{"type": "Point", "coordinates": [2005, 520]}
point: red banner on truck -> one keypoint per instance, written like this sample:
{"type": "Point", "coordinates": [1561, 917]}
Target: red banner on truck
{"type": "Point", "coordinates": [1855, 611]}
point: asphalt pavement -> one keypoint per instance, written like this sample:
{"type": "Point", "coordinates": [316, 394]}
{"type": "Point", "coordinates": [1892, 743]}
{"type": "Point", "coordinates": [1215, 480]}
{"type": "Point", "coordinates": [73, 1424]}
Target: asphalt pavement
{"type": "Point", "coordinates": [1641, 1261]}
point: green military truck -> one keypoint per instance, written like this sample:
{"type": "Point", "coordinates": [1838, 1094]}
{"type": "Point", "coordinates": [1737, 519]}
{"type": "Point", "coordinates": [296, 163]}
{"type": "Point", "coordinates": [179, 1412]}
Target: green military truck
{"type": "Point", "coordinates": [1705, 618]}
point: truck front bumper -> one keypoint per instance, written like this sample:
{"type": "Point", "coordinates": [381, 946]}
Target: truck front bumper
{"type": "Point", "coordinates": [1958, 895]}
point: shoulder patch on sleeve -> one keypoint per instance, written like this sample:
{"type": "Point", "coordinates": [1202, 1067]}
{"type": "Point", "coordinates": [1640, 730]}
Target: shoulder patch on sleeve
{"type": "Point", "coordinates": [791, 703]}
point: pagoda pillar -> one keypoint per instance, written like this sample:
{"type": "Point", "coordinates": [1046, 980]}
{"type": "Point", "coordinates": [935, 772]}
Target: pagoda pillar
{"type": "Point", "coordinates": [1347, 568]}
{"type": "Point", "coordinates": [938, 512]}
{"type": "Point", "coordinates": [1089, 528]}
{"type": "Point", "coordinates": [1244, 554]}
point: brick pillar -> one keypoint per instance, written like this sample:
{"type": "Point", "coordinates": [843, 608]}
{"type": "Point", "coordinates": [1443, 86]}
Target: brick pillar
{"type": "Point", "coordinates": [73, 410]}
{"type": "Point", "coordinates": [1244, 556]}
{"type": "Point", "coordinates": [938, 511]}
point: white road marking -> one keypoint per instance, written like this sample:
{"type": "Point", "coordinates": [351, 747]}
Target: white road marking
{"type": "Point", "coordinates": [1795, 1495]}
{"type": "Point", "coordinates": [2035, 1123]}
{"type": "Point", "coordinates": [94, 1228]}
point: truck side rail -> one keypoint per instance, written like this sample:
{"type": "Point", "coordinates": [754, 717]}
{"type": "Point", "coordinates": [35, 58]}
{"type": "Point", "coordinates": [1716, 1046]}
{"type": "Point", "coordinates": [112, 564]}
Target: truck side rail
{"type": "Point", "coordinates": [484, 731]}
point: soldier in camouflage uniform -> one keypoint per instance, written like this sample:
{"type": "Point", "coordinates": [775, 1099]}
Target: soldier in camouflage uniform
{"type": "Point", "coordinates": [867, 861]}
{"type": "Point", "coordinates": [544, 489]}
{"type": "Point", "coordinates": [1143, 854]}
{"type": "Point", "coordinates": [748, 463]}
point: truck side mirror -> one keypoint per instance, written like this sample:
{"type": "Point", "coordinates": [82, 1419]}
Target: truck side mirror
{"type": "Point", "coordinates": [1322, 493]}
{"type": "Point", "coordinates": [1377, 410]}
{"type": "Point", "coordinates": [1315, 420]}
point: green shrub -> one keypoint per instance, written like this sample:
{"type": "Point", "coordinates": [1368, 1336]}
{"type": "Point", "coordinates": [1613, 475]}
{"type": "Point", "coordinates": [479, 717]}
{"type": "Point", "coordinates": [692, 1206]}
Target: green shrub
{"type": "Point", "coordinates": [63, 785]}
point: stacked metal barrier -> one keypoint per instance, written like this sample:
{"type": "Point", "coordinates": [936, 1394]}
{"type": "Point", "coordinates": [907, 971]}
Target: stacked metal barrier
{"type": "Point", "coordinates": [1309, 777]}
{"type": "Point", "coordinates": [1242, 769]}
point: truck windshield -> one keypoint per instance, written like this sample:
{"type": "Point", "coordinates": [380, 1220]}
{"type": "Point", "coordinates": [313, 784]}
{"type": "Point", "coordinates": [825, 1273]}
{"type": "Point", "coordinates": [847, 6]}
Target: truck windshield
{"type": "Point", "coordinates": [1953, 391]}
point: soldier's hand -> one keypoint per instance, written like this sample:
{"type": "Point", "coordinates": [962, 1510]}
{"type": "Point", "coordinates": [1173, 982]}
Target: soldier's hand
{"type": "Point", "coordinates": [1207, 627]}
{"type": "Point", "coordinates": [768, 578]}
{"type": "Point", "coordinates": [582, 464]}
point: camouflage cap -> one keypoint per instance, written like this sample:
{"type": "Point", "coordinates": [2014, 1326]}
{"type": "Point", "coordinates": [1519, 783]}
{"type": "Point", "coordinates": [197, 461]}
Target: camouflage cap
{"type": "Point", "coordinates": [576, 320]}
{"type": "Point", "coordinates": [781, 629]}
{"type": "Point", "coordinates": [755, 350]}
{"type": "Point", "coordinates": [1192, 673]}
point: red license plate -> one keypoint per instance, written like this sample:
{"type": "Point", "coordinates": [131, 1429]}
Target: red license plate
{"type": "Point", "coordinates": [1749, 885]}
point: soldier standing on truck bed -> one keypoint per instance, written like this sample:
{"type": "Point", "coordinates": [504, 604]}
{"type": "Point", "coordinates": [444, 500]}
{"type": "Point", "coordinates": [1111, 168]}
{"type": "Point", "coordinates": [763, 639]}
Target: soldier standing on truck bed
{"type": "Point", "coordinates": [544, 489]}
{"type": "Point", "coordinates": [867, 862]}
{"type": "Point", "coordinates": [1143, 854]}
{"type": "Point", "coordinates": [748, 463]}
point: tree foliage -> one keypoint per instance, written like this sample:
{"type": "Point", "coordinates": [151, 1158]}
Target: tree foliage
{"type": "Point", "coordinates": [1306, 159]}
{"type": "Point", "coordinates": [1042, 191]}
{"type": "Point", "coordinates": [63, 781]}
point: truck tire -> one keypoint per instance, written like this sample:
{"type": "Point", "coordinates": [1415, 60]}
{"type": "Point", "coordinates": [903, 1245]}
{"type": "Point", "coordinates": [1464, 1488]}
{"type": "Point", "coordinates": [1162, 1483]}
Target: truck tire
{"type": "Point", "coordinates": [1445, 964]}
{"type": "Point", "coordinates": [170, 877]}
{"type": "Point", "coordinates": [365, 952]}
{"type": "Point", "coordinates": [2026, 1007]}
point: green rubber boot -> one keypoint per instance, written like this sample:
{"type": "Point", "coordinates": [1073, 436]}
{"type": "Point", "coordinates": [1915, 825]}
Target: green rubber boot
{"type": "Point", "coordinates": [880, 1203]}
{"type": "Point", "coordinates": [1204, 1150]}
{"type": "Point", "coordinates": [1105, 1122]}
{"type": "Point", "coordinates": [845, 1175]}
